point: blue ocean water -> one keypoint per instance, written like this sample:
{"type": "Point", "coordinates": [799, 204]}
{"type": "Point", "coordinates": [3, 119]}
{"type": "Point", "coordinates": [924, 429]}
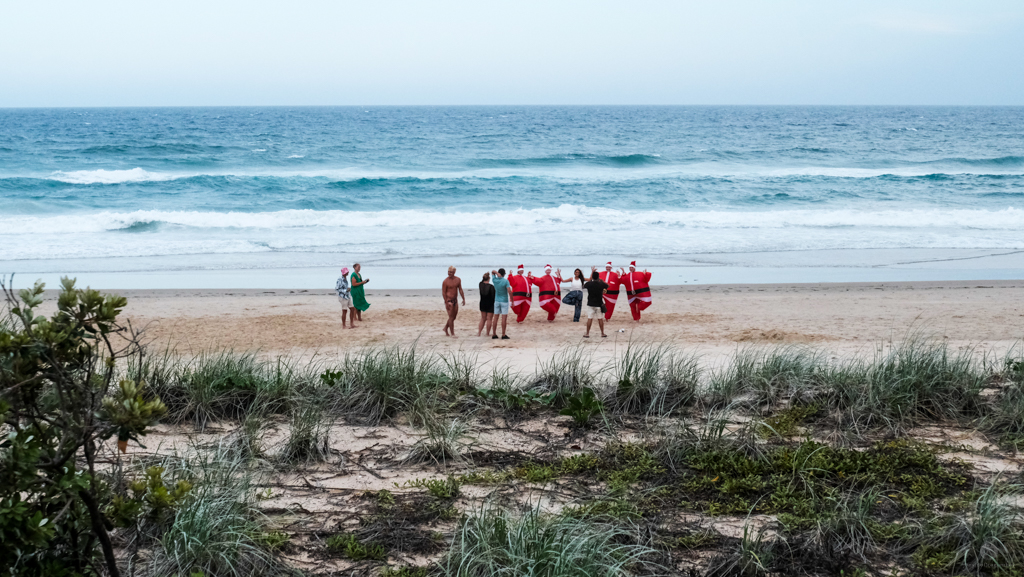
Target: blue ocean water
{"type": "Point", "coordinates": [150, 189]}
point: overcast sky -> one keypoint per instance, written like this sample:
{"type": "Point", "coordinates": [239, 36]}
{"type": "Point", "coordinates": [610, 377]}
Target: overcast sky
{"type": "Point", "coordinates": [211, 52]}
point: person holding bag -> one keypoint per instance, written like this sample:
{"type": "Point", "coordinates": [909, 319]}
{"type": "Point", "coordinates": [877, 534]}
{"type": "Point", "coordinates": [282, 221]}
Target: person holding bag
{"type": "Point", "coordinates": [575, 296]}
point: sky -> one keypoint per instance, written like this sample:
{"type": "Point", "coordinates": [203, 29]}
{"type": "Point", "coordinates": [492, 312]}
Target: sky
{"type": "Point", "coordinates": [391, 52]}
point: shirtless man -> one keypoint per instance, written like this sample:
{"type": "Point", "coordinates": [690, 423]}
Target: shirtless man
{"type": "Point", "coordinates": [451, 289]}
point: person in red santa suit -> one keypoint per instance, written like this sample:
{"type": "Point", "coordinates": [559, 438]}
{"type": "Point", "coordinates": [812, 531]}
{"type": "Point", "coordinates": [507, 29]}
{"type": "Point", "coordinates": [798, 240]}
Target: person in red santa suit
{"type": "Point", "coordinates": [637, 290]}
{"type": "Point", "coordinates": [550, 291]}
{"type": "Point", "coordinates": [610, 278]}
{"type": "Point", "coordinates": [522, 294]}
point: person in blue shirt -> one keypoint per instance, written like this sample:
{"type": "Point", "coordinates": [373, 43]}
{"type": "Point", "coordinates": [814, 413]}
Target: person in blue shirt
{"type": "Point", "coordinates": [502, 300]}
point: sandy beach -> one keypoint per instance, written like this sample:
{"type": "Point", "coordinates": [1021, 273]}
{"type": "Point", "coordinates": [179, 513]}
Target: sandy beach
{"type": "Point", "coordinates": [713, 319]}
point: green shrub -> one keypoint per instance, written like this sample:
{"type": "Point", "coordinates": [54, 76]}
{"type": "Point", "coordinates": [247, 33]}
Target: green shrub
{"type": "Point", "coordinates": [58, 404]}
{"type": "Point", "coordinates": [582, 406]}
{"type": "Point", "coordinates": [349, 545]}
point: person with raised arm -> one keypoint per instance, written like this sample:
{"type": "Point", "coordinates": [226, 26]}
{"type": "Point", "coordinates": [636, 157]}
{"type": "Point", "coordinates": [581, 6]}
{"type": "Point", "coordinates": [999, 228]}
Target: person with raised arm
{"type": "Point", "coordinates": [575, 296]}
{"type": "Point", "coordinates": [637, 289]}
{"type": "Point", "coordinates": [610, 278]}
{"type": "Point", "coordinates": [550, 291]}
{"type": "Point", "coordinates": [502, 298]}
{"type": "Point", "coordinates": [522, 294]}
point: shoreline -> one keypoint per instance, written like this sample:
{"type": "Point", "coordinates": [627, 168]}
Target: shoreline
{"type": "Point", "coordinates": [298, 270]}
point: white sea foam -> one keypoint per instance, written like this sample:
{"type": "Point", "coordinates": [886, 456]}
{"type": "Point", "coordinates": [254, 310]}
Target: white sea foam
{"type": "Point", "coordinates": [529, 232]}
{"type": "Point", "coordinates": [580, 217]}
{"type": "Point", "coordinates": [101, 176]}
{"type": "Point", "coordinates": [567, 173]}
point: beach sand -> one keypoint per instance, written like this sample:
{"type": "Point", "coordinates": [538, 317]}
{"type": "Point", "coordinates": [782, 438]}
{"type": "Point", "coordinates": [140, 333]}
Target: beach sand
{"type": "Point", "coordinates": [714, 320]}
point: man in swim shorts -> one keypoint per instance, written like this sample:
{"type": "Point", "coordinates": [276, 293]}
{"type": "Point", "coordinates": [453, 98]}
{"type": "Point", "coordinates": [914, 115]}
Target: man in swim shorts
{"type": "Point", "coordinates": [451, 289]}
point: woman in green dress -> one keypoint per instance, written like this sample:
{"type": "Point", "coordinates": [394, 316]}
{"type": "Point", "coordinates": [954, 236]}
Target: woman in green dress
{"type": "Point", "coordinates": [358, 296]}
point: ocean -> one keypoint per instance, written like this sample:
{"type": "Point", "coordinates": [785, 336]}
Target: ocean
{"type": "Point", "coordinates": [281, 197]}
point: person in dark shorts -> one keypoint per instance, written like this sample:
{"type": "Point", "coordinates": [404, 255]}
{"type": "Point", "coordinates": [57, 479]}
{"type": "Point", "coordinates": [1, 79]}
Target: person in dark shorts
{"type": "Point", "coordinates": [486, 304]}
{"type": "Point", "coordinates": [595, 295]}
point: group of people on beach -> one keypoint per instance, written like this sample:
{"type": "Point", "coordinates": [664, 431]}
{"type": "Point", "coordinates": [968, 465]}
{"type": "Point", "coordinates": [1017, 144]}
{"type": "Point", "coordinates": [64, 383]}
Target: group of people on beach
{"type": "Point", "coordinates": [500, 295]}
{"type": "Point", "coordinates": [597, 292]}
{"type": "Point", "coordinates": [352, 296]}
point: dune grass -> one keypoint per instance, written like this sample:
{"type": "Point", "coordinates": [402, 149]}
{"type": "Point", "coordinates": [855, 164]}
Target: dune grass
{"type": "Point", "coordinates": [219, 385]}
{"type": "Point", "coordinates": [377, 384]}
{"type": "Point", "coordinates": [654, 380]}
{"type": "Point", "coordinates": [309, 430]}
{"type": "Point", "coordinates": [217, 530]}
{"type": "Point", "coordinates": [496, 542]}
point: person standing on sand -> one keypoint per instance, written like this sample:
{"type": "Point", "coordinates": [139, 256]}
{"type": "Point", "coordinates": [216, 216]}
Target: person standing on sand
{"type": "Point", "coordinates": [595, 293]}
{"type": "Point", "coordinates": [610, 278]}
{"type": "Point", "coordinates": [358, 293]}
{"type": "Point", "coordinates": [638, 290]}
{"type": "Point", "coordinates": [550, 292]}
{"type": "Point", "coordinates": [451, 289]}
{"type": "Point", "coordinates": [345, 298]}
{"type": "Point", "coordinates": [502, 296]}
{"type": "Point", "coordinates": [522, 294]}
{"type": "Point", "coordinates": [486, 304]}
{"type": "Point", "coordinates": [575, 296]}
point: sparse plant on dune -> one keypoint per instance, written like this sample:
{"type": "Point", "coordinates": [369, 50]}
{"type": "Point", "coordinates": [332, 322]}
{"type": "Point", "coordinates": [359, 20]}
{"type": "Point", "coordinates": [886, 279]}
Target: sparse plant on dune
{"type": "Point", "coordinates": [764, 377]}
{"type": "Point", "coordinates": [380, 383]}
{"type": "Point", "coordinates": [754, 555]}
{"type": "Point", "coordinates": [309, 429]}
{"type": "Point", "coordinates": [988, 539]}
{"type": "Point", "coordinates": [567, 372]}
{"type": "Point", "coordinates": [217, 530]}
{"type": "Point", "coordinates": [222, 385]}
{"type": "Point", "coordinates": [914, 381]}
{"type": "Point", "coordinates": [654, 380]}
{"type": "Point", "coordinates": [582, 407]}
{"type": "Point", "coordinates": [444, 442]}
{"type": "Point", "coordinates": [460, 367]}
{"type": "Point", "coordinates": [494, 541]}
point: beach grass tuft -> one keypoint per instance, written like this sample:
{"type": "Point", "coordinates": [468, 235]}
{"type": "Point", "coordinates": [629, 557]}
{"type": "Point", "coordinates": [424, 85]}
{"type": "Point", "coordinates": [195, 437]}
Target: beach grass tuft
{"type": "Point", "coordinates": [219, 385]}
{"type": "Point", "coordinates": [217, 532]}
{"type": "Point", "coordinates": [380, 383]}
{"type": "Point", "coordinates": [654, 380]}
{"type": "Point", "coordinates": [309, 432]}
{"type": "Point", "coordinates": [495, 541]}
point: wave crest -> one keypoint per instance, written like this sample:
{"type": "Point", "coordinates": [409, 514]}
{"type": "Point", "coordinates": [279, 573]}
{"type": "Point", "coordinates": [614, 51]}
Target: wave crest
{"type": "Point", "coordinates": [582, 218]}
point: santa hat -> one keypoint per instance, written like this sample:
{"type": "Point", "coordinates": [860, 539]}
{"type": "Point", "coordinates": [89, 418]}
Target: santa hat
{"type": "Point", "coordinates": [632, 264]}
{"type": "Point", "coordinates": [608, 264]}
{"type": "Point", "coordinates": [547, 267]}
{"type": "Point", "coordinates": [520, 267]}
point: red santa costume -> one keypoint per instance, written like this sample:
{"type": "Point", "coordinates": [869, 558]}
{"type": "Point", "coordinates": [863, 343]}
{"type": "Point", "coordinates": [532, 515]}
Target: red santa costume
{"type": "Point", "coordinates": [610, 278]}
{"type": "Point", "coordinates": [522, 295]}
{"type": "Point", "coordinates": [550, 292]}
{"type": "Point", "coordinates": [637, 289]}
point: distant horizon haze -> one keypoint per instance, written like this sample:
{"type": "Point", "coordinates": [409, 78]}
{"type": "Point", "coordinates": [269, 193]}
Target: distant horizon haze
{"type": "Point", "coordinates": [454, 52]}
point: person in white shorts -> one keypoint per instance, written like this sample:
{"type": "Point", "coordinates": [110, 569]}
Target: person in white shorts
{"type": "Point", "coordinates": [595, 296]}
{"type": "Point", "coordinates": [345, 298]}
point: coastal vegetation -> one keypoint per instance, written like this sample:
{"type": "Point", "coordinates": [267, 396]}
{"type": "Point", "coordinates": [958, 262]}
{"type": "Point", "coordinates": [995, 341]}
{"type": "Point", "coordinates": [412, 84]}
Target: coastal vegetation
{"type": "Point", "coordinates": [401, 461]}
